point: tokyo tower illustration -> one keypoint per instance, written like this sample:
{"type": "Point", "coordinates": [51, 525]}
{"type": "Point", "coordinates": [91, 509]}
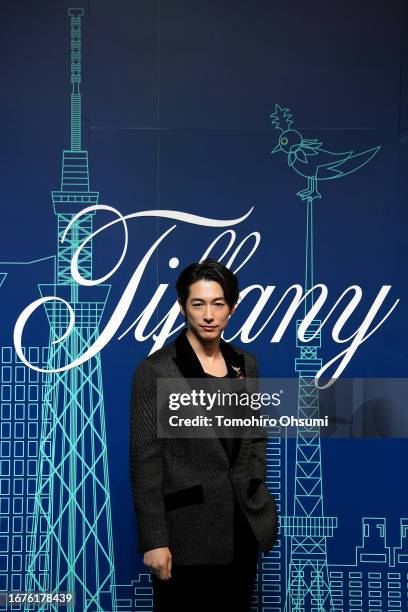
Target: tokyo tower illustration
{"type": "Point", "coordinates": [71, 542]}
{"type": "Point", "coordinates": [308, 529]}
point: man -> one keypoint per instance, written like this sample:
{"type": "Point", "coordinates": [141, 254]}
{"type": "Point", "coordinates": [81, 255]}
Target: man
{"type": "Point", "coordinates": [201, 504]}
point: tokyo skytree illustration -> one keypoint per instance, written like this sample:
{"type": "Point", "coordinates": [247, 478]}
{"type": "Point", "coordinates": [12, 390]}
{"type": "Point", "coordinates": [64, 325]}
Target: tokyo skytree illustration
{"type": "Point", "coordinates": [308, 529]}
{"type": "Point", "coordinates": [71, 543]}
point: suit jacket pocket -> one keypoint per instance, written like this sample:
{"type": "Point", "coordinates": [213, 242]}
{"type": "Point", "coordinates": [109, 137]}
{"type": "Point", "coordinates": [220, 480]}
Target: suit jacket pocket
{"type": "Point", "coordinates": [253, 486]}
{"type": "Point", "coordinates": [184, 497]}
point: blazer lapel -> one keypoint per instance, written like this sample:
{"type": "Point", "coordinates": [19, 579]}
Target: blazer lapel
{"type": "Point", "coordinates": [190, 366]}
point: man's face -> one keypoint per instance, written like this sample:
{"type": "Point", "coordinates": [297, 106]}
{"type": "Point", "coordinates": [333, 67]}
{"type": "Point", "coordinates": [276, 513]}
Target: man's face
{"type": "Point", "coordinates": [206, 310]}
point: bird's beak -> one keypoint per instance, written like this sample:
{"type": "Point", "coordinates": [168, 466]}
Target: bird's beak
{"type": "Point", "coordinates": [277, 148]}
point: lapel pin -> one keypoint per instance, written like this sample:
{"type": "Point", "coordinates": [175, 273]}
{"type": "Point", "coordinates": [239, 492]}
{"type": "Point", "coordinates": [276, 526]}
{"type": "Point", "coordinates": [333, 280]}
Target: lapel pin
{"type": "Point", "coordinates": [238, 371]}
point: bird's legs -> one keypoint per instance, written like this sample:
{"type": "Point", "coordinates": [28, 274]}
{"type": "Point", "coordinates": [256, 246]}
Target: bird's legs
{"type": "Point", "coordinates": [311, 192]}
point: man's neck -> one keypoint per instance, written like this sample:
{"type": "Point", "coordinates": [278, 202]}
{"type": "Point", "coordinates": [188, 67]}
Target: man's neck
{"type": "Point", "coordinates": [211, 348]}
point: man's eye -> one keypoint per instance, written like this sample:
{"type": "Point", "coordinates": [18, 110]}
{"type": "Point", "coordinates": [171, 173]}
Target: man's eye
{"type": "Point", "coordinates": [219, 304]}
{"type": "Point", "coordinates": [196, 305]}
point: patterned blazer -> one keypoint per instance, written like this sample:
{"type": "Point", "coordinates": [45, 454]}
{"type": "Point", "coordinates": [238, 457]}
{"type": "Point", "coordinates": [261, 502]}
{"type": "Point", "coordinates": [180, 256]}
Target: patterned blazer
{"type": "Point", "coordinates": [183, 489]}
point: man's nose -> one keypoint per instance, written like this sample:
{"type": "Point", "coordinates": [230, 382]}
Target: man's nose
{"type": "Point", "coordinates": [208, 316]}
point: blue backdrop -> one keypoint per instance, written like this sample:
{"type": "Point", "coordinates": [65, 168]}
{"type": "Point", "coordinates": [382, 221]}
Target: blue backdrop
{"type": "Point", "coordinates": [176, 103]}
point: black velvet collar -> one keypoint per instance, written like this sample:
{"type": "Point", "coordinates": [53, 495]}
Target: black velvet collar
{"type": "Point", "coordinates": [190, 366]}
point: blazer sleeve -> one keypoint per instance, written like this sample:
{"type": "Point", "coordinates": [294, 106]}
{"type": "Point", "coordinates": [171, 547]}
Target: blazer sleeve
{"type": "Point", "coordinates": [258, 441]}
{"type": "Point", "coordinates": [146, 454]}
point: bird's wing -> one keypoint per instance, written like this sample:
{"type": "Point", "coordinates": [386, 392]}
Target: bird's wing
{"type": "Point", "coordinates": [329, 163]}
{"type": "Point", "coordinates": [312, 143]}
{"type": "Point", "coordinates": [307, 148]}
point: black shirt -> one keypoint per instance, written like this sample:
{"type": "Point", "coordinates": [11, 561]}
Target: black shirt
{"type": "Point", "coordinates": [228, 443]}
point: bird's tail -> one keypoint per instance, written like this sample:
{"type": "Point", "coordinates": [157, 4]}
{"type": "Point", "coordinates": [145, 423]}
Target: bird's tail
{"type": "Point", "coordinates": [352, 163]}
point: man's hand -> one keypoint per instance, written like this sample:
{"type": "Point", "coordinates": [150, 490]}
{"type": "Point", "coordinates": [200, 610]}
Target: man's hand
{"type": "Point", "coordinates": [158, 560]}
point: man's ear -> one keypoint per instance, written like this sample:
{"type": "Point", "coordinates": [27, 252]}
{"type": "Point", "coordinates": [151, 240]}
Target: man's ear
{"type": "Point", "coordinates": [232, 310]}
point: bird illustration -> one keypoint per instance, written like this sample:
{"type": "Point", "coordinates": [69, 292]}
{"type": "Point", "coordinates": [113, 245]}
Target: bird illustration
{"type": "Point", "coordinates": [307, 157]}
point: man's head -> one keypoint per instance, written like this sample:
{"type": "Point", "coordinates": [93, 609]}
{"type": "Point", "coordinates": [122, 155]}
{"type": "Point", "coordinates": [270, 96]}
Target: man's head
{"type": "Point", "coordinates": [207, 295]}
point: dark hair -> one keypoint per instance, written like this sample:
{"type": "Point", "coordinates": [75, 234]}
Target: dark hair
{"type": "Point", "coordinates": [208, 269]}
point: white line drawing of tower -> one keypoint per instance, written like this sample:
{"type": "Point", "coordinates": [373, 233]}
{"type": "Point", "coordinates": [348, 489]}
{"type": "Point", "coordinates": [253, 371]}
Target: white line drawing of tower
{"type": "Point", "coordinates": [71, 543]}
{"type": "Point", "coordinates": [308, 528]}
